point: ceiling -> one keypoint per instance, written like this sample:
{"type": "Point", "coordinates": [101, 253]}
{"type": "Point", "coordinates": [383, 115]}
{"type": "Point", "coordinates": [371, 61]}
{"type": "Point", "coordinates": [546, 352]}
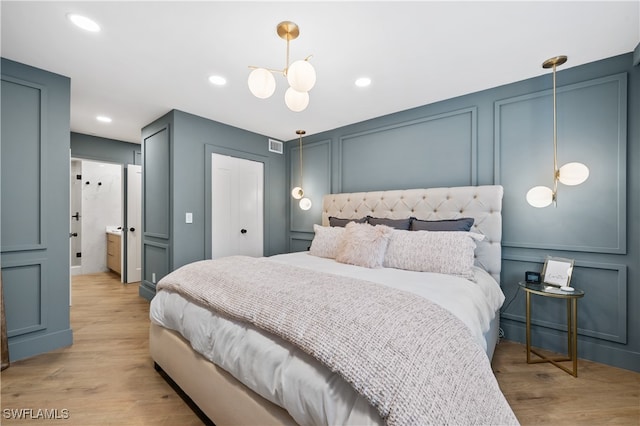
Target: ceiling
{"type": "Point", "coordinates": [155, 56]}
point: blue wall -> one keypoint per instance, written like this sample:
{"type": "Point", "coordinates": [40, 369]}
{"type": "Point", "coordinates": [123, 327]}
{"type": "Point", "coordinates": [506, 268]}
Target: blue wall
{"type": "Point", "coordinates": [35, 209]}
{"type": "Point", "coordinates": [102, 149]}
{"type": "Point", "coordinates": [504, 136]}
{"type": "Point", "coordinates": [177, 152]}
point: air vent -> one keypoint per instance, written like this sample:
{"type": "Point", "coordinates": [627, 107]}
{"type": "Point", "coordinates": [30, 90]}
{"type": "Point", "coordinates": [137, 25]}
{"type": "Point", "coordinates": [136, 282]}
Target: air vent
{"type": "Point", "coordinates": [275, 146]}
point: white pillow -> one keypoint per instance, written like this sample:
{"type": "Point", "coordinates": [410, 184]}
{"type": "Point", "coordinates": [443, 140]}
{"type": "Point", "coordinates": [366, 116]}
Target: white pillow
{"type": "Point", "coordinates": [363, 244]}
{"type": "Point", "coordinates": [445, 252]}
{"type": "Point", "coordinates": [325, 241]}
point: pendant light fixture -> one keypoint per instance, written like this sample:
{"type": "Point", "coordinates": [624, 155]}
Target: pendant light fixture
{"type": "Point", "coordinates": [301, 75]}
{"type": "Point", "coordinates": [571, 173]}
{"type": "Point", "coordinates": [297, 192]}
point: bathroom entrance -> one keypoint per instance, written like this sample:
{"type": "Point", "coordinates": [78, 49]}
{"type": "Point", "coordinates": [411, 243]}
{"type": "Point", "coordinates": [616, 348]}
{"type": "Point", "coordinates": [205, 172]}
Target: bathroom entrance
{"type": "Point", "coordinates": [96, 212]}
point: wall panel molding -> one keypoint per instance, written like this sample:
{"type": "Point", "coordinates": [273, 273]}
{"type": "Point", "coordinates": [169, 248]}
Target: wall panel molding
{"type": "Point", "coordinates": [419, 145]}
{"type": "Point", "coordinates": [300, 243]}
{"type": "Point", "coordinates": [159, 252]}
{"type": "Point", "coordinates": [156, 184]}
{"type": "Point", "coordinates": [591, 114]}
{"type": "Point", "coordinates": [24, 281]}
{"type": "Point", "coordinates": [602, 312]}
{"type": "Point", "coordinates": [24, 161]}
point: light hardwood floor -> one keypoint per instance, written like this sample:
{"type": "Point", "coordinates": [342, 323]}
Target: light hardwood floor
{"type": "Point", "coordinates": [107, 378]}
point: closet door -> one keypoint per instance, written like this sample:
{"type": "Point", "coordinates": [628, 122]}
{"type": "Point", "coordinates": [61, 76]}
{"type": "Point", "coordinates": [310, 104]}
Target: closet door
{"type": "Point", "coordinates": [237, 206]}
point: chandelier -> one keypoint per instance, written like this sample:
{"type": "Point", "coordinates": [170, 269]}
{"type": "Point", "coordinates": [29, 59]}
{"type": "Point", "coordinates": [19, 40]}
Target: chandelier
{"type": "Point", "coordinates": [301, 75]}
{"type": "Point", "coordinates": [571, 173]}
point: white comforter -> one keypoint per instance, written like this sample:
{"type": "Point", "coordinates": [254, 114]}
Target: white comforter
{"type": "Point", "coordinates": [290, 378]}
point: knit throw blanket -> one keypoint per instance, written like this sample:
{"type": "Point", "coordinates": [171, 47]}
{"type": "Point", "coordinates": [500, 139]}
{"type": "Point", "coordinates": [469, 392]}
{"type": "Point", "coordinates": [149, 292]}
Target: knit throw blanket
{"type": "Point", "coordinates": [412, 359]}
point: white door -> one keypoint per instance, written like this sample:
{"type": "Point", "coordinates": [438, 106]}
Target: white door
{"type": "Point", "coordinates": [134, 223]}
{"type": "Point", "coordinates": [236, 206]}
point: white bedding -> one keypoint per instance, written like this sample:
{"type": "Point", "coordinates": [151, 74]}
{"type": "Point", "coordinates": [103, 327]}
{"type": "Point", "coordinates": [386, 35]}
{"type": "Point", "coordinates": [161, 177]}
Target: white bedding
{"type": "Point", "coordinates": [282, 374]}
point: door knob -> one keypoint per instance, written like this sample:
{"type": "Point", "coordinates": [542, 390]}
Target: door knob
{"type": "Point", "coordinates": [243, 231]}
{"type": "Point", "coordinates": [132, 229]}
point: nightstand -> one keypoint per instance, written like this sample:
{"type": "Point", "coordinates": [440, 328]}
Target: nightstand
{"type": "Point", "coordinates": [572, 324]}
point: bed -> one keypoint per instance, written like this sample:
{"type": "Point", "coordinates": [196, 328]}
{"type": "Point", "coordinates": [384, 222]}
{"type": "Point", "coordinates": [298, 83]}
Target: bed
{"type": "Point", "coordinates": [244, 359]}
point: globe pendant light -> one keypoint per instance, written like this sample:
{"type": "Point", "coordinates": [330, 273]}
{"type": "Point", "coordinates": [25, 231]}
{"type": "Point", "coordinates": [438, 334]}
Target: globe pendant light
{"type": "Point", "coordinates": [262, 83]}
{"type": "Point", "coordinates": [297, 192]}
{"type": "Point", "coordinates": [300, 75]}
{"type": "Point", "coordinates": [296, 101]}
{"type": "Point", "coordinates": [571, 173]}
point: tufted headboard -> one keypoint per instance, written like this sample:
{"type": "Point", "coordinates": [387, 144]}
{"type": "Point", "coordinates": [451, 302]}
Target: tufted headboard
{"type": "Point", "coordinates": [483, 203]}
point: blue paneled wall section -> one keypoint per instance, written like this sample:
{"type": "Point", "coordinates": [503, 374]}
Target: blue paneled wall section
{"type": "Point", "coordinates": [34, 209]}
{"type": "Point", "coordinates": [176, 179]}
{"type": "Point", "coordinates": [102, 149]}
{"type": "Point", "coordinates": [504, 136]}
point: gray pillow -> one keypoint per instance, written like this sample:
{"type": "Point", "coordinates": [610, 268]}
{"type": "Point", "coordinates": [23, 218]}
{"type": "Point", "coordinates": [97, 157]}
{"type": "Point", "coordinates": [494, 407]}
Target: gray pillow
{"type": "Point", "coordinates": [336, 221]}
{"type": "Point", "coordinates": [402, 224]}
{"type": "Point", "coordinates": [462, 224]}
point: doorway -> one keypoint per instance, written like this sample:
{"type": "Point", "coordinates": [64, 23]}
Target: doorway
{"type": "Point", "coordinates": [105, 225]}
{"type": "Point", "coordinates": [96, 208]}
{"type": "Point", "coordinates": [237, 206]}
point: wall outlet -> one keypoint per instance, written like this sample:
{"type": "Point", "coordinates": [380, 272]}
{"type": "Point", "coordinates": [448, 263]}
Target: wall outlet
{"type": "Point", "coordinates": [188, 217]}
{"type": "Point", "coordinates": [153, 277]}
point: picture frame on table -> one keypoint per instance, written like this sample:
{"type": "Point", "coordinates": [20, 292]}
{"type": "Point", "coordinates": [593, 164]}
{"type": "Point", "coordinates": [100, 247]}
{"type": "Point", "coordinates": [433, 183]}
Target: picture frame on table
{"type": "Point", "coordinates": [557, 271]}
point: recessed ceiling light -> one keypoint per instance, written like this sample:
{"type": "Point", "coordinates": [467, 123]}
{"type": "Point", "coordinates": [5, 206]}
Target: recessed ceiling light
{"type": "Point", "coordinates": [217, 80]}
{"type": "Point", "coordinates": [103, 119]}
{"type": "Point", "coordinates": [83, 22]}
{"type": "Point", "coordinates": [363, 82]}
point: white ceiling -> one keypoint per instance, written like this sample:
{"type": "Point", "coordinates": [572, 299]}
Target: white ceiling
{"type": "Point", "coordinates": [154, 56]}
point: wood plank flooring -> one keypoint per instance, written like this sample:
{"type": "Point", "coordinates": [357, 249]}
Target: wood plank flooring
{"type": "Point", "coordinates": [107, 378]}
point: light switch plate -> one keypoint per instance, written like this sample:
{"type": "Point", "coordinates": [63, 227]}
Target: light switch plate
{"type": "Point", "coordinates": [188, 217]}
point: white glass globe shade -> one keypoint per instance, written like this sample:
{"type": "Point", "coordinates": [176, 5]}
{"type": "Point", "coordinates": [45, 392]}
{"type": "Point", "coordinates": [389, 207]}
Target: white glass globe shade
{"type": "Point", "coordinates": [301, 76]}
{"type": "Point", "coordinates": [573, 174]}
{"type": "Point", "coordinates": [296, 101]}
{"type": "Point", "coordinates": [540, 196]}
{"type": "Point", "coordinates": [305, 204]}
{"type": "Point", "coordinates": [297, 193]}
{"type": "Point", "coordinates": [261, 83]}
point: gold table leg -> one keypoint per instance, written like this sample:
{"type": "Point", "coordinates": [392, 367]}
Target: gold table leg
{"type": "Point", "coordinates": [528, 316]}
{"type": "Point", "coordinates": [574, 335]}
{"type": "Point", "coordinates": [572, 338]}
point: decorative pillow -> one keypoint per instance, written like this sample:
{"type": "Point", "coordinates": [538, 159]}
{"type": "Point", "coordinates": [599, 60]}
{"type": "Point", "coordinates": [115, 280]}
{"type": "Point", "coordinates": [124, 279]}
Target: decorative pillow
{"type": "Point", "coordinates": [394, 223]}
{"type": "Point", "coordinates": [363, 244]}
{"type": "Point", "coordinates": [325, 241]}
{"type": "Point", "coordinates": [336, 221]}
{"type": "Point", "coordinates": [446, 252]}
{"type": "Point", "coordinates": [463, 224]}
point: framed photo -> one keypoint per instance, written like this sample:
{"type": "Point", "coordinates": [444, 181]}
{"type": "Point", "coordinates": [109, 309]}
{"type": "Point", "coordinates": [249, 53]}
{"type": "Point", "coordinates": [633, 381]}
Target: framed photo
{"type": "Point", "coordinates": [557, 271]}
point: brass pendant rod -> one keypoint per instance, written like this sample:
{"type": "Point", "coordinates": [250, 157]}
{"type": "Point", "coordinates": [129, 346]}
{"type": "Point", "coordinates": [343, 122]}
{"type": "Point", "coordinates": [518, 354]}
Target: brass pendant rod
{"type": "Point", "coordinates": [300, 133]}
{"type": "Point", "coordinates": [253, 67]}
{"type": "Point", "coordinates": [555, 126]}
{"type": "Point", "coordinates": [556, 172]}
{"type": "Point", "coordinates": [286, 67]}
{"type": "Point", "coordinates": [553, 63]}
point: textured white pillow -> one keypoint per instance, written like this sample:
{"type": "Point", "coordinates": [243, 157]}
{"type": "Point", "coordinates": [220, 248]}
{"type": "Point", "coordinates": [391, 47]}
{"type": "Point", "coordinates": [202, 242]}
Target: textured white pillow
{"type": "Point", "coordinates": [363, 244]}
{"type": "Point", "coordinates": [445, 252]}
{"type": "Point", "coordinates": [325, 241]}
